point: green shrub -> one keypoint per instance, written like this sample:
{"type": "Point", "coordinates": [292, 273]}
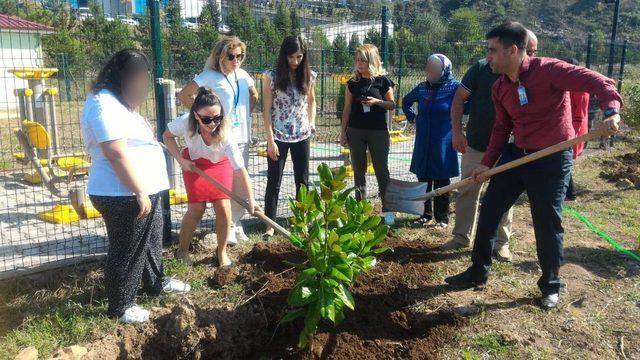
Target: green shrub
{"type": "Point", "coordinates": [340, 236]}
{"type": "Point", "coordinates": [631, 109]}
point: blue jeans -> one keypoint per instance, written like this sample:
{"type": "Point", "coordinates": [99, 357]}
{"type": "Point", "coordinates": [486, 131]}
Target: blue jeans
{"type": "Point", "coordinates": [545, 181]}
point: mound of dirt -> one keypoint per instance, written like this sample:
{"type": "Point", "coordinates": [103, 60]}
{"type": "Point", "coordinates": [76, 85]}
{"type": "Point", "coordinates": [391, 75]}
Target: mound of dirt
{"type": "Point", "coordinates": [623, 170]}
{"type": "Point", "coordinates": [383, 326]}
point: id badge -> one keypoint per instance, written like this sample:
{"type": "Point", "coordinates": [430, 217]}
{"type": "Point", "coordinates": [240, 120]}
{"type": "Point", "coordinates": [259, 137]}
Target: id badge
{"type": "Point", "coordinates": [236, 118]}
{"type": "Point", "coordinates": [522, 95]}
{"type": "Point", "coordinates": [366, 108]}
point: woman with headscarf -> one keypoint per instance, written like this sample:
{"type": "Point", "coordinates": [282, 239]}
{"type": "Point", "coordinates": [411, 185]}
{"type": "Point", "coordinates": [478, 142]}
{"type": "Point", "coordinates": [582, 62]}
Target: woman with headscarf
{"type": "Point", "coordinates": [434, 160]}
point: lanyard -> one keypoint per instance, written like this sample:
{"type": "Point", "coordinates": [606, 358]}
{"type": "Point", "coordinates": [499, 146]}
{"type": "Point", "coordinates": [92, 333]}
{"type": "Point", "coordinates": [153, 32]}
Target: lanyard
{"type": "Point", "coordinates": [236, 95]}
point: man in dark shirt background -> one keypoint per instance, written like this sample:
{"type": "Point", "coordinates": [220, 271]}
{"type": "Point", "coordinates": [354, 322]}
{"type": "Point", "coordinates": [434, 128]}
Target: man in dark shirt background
{"type": "Point", "coordinates": [531, 100]}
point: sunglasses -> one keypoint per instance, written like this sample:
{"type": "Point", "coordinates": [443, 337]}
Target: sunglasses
{"type": "Point", "coordinates": [209, 119]}
{"type": "Point", "coordinates": [231, 57]}
{"type": "Point", "coordinates": [532, 52]}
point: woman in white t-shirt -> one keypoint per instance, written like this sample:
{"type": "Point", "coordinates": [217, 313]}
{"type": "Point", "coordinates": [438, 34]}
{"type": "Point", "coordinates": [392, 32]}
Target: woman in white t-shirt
{"type": "Point", "coordinates": [209, 147]}
{"type": "Point", "coordinates": [126, 177]}
{"type": "Point", "coordinates": [289, 105]}
{"type": "Point", "coordinates": [238, 94]}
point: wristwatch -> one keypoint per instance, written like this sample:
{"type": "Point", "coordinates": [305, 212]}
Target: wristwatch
{"type": "Point", "coordinates": [610, 112]}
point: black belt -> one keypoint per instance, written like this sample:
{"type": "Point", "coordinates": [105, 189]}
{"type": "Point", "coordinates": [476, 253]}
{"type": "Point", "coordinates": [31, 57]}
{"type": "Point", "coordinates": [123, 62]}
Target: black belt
{"type": "Point", "coordinates": [525, 151]}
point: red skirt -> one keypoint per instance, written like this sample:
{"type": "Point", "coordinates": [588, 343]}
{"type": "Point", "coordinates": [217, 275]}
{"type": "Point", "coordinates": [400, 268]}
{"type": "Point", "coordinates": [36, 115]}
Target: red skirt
{"type": "Point", "coordinates": [199, 189]}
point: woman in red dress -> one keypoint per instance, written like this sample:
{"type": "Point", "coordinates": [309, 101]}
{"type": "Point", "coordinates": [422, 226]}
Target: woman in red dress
{"type": "Point", "coordinates": [580, 120]}
{"type": "Point", "coordinates": [210, 147]}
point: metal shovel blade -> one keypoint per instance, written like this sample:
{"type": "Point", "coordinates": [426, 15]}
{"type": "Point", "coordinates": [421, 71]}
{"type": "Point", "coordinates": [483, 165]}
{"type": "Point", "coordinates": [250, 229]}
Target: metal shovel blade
{"type": "Point", "coordinates": [400, 196]}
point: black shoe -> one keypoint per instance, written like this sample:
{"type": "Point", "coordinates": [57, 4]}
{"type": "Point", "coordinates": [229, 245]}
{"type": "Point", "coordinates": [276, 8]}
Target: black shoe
{"type": "Point", "coordinates": [469, 278]}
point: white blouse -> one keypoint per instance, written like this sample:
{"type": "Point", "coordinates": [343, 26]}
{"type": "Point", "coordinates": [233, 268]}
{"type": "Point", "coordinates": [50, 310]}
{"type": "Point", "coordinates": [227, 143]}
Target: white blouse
{"type": "Point", "coordinates": [198, 149]}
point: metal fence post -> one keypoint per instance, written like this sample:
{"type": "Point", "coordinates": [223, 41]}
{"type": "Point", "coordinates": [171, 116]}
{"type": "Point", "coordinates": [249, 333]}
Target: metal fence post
{"type": "Point", "coordinates": [158, 73]}
{"type": "Point", "coordinates": [323, 75]}
{"type": "Point", "coordinates": [622, 61]}
{"type": "Point", "coordinates": [384, 36]}
{"type": "Point", "coordinates": [400, 73]}
{"type": "Point", "coordinates": [614, 32]}
{"type": "Point", "coordinates": [589, 50]}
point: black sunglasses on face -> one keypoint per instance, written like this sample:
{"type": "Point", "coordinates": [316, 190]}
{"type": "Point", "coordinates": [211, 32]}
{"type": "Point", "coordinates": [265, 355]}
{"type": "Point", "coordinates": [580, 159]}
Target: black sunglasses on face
{"type": "Point", "coordinates": [210, 119]}
{"type": "Point", "coordinates": [230, 57]}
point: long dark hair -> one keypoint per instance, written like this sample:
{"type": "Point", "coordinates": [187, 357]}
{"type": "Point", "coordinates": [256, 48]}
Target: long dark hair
{"type": "Point", "coordinates": [124, 64]}
{"type": "Point", "coordinates": [205, 98]}
{"type": "Point", "coordinates": [291, 45]}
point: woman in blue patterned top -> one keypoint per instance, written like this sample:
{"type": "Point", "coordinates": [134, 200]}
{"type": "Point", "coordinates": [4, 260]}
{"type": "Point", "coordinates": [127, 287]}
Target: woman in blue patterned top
{"type": "Point", "coordinates": [434, 160]}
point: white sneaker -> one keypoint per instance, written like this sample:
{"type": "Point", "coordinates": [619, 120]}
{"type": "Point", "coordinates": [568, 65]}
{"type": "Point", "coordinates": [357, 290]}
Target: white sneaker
{"type": "Point", "coordinates": [240, 235]}
{"type": "Point", "coordinates": [172, 285]}
{"type": "Point", "coordinates": [550, 301]}
{"type": "Point", "coordinates": [135, 315]}
{"type": "Point", "coordinates": [231, 238]}
{"type": "Point", "coordinates": [389, 219]}
{"type": "Point", "coordinates": [441, 225]}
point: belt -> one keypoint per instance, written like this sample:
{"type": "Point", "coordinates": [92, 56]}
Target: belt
{"type": "Point", "coordinates": [525, 151]}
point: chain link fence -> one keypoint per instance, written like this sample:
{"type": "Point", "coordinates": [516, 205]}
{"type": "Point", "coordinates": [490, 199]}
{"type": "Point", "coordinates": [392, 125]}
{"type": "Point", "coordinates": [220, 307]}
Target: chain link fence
{"type": "Point", "coordinates": [50, 51]}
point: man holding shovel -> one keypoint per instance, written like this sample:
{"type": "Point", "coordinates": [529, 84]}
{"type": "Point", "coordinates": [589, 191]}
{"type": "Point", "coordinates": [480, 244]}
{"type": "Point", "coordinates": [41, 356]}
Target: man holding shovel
{"type": "Point", "coordinates": [531, 100]}
{"type": "Point", "coordinates": [476, 87]}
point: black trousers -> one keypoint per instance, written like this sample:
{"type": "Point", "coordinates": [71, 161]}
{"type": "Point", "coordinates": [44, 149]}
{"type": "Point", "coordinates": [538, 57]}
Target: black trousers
{"type": "Point", "coordinates": [545, 181]}
{"type": "Point", "coordinates": [135, 249]}
{"type": "Point", "coordinates": [437, 208]}
{"type": "Point", "coordinates": [300, 157]}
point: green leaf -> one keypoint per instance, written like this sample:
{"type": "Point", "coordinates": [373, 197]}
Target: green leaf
{"type": "Point", "coordinates": [292, 315]}
{"type": "Point", "coordinates": [296, 240]}
{"type": "Point", "coordinates": [336, 274]}
{"type": "Point", "coordinates": [325, 173]}
{"type": "Point", "coordinates": [326, 192]}
{"type": "Point", "coordinates": [343, 293]}
{"type": "Point", "coordinates": [341, 174]}
{"type": "Point", "coordinates": [302, 193]}
{"type": "Point", "coordinates": [382, 250]}
{"type": "Point", "coordinates": [302, 295]}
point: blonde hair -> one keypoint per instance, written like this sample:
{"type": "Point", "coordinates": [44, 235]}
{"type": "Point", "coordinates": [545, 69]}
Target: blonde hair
{"type": "Point", "coordinates": [221, 49]}
{"type": "Point", "coordinates": [371, 54]}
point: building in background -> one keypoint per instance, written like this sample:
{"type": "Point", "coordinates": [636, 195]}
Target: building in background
{"type": "Point", "coordinates": [190, 8]}
{"type": "Point", "coordinates": [20, 47]}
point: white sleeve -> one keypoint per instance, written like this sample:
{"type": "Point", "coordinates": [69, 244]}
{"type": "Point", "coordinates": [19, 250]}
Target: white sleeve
{"type": "Point", "coordinates": [178, 127]}
{"type": "Point", "coordinates": [235, 155]}
{"type": "Point", "coordinates": [202, 79]}
{"type": "Point", "coordinates": [250, 82]}
{"type": "Point", "coordinates": [107, 118]}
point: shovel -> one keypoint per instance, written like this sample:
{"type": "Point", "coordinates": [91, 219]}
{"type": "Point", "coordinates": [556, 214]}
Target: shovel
{"type": "Point", "coordinates": [235, 197]}
{"type": "Point", "coordinates": [409, 197]}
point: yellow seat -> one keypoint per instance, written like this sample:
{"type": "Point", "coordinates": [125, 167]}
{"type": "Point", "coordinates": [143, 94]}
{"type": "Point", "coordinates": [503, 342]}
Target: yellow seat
{"type": "Point", "coordinates": [73, 164]}
{"type": "Point", "coordinates": [399, 118]}
{"type": "Point", "coordinates": [22, 158]}
{"type": "Point", "coordinates": [175, 198]}
{"type": "Point", "coordinates": [262, 152]}
{"type": "Point", "coordinates": [60, 214]}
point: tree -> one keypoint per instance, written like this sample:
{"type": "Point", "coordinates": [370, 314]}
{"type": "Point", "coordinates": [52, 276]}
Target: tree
{"type": "Point", "coordinates": [173, 13]}
{"type": "Point", "coordinates": [354, 43]}
{"type": "Point", "coordinates": [210, 14]}
{"type": "Point", "coordinates": [295, 22]}
{"type": "Point", "coordinates": [341, 55]}
{"type": "Point", "coordinates": [282, 19]}
{"type": "Point", "coordinates": [373, 37]}
{"type": "Point", "coordinates": [464, 26]}
{"type": "Point", "coordinates": [271, 40]}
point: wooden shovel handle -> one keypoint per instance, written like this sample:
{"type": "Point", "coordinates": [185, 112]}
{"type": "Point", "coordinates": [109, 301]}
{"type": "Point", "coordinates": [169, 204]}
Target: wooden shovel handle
{"type": "Point", "coordinates": [515, 163]}
{"type": "Point", "coordinates": [257, 212]}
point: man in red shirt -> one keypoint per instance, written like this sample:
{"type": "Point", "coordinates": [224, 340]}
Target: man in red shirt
{"type": "Point", "coordinates": [531, 99]}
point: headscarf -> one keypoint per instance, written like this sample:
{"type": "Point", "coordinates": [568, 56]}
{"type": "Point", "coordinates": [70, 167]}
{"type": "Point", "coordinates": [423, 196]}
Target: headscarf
{"type": "Point", "coordinates": [445, 63]}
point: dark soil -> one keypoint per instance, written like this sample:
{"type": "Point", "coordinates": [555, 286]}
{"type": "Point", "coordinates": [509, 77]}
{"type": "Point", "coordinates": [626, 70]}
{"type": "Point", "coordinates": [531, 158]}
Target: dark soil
{"type": "Point", "coordinates": [625, 167]}
{"type": "Point", "coordinates": [383, 326]}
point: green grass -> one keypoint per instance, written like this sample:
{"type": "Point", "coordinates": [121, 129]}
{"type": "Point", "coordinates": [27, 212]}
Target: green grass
{"type": "Point", "coordinates": [491, 343]}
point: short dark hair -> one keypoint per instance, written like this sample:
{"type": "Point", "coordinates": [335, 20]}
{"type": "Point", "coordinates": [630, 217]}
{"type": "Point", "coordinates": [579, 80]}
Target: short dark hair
{"type": "Point", "coordinates": [302, 79]}
{"type": "Point", "coordinates": [572, 61]}
{"type": "Point", "coordinates": [124, 64]}
{"type": "Point", "coordinates": [509, 34]}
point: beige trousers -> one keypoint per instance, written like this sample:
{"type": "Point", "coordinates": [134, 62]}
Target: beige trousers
{"type": "Point", "coordinates": [467, 206]}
